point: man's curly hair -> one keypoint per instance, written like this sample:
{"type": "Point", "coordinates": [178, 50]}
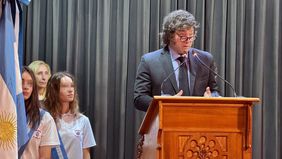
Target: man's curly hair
{"type": "Point", "coordinates": [177, 20]}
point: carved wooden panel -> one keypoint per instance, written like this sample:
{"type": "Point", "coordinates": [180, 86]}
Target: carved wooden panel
{"type": "Point", "coordinates": [202, 147]}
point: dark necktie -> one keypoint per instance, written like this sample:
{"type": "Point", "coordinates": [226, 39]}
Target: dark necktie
{"type": "Point", "coordinates": [183, 77]}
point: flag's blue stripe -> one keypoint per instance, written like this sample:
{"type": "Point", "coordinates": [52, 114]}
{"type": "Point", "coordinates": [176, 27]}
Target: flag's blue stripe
{"type": "Point", "coordinates": [7, 62]}
{"type": "Point", "coordinates": [21, 121]}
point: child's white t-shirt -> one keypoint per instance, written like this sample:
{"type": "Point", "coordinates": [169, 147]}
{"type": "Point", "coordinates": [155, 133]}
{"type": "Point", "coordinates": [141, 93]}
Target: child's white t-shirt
{"type": "Point", "coordinates": [76, 134]}
{"type": "Point", "coordinates": [45, 135]}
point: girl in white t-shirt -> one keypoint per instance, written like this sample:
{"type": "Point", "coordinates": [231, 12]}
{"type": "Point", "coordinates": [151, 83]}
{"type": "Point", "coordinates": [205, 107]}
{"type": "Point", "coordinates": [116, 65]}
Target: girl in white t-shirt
{"type": "Point", "coordinates": [74, 128]}
{"type": "Point", "coordinates": [40, 123]}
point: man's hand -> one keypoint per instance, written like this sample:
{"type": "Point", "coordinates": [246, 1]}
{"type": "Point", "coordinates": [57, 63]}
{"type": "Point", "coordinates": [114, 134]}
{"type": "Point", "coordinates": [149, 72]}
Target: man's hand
{"type": "Point", "coordinates": [207, 92]}
{"type": "Point", "coordinates": [179, 93]}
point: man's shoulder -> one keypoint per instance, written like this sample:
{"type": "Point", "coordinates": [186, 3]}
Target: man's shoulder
{"type": "Point", "coordinates": [199, 51]}
{"type": "Point", "coordinates": [202, 53]}
{"type": "Point", "coordinates": [154, 54]}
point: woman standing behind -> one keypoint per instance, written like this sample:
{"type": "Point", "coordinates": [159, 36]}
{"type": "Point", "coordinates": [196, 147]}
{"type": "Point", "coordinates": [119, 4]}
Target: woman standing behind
{"type": "Point", "coordinates": [42, 73]}
{"type": "Point", "coordinates": [41, 125]}
{"type": "Point", "coordinates": [74, 128]}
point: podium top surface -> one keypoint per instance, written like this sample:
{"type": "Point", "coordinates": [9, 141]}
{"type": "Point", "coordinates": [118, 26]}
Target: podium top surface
{"type": "Point", "coordinates": [204, 99]}
{"type": "Point", "coordinates": [185, 100]}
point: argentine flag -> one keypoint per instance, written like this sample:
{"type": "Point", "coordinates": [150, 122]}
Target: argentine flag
{"type": "Point", "coordinates": [13, 131]}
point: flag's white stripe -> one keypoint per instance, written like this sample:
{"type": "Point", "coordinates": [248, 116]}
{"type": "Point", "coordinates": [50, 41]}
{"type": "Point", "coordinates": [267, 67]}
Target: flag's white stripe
{"type": "Point", "coordinates": [17, 66]}
{"type": "Point", "coordinates": [6, 100]}
{"type": "Point", "coordinates": [7, 108]}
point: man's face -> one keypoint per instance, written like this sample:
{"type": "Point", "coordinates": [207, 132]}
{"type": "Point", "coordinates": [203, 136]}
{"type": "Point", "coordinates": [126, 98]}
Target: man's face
{"type": "Point", "coordinates": [182, 40]}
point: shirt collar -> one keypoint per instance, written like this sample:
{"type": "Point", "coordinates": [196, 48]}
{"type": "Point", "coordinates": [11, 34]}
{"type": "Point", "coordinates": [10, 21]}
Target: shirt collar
{"type": "Point", "coordinates": [174, 54]}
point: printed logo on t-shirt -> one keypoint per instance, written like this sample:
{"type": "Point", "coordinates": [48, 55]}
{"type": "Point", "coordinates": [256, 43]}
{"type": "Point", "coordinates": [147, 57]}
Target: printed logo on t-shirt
{"type": "Point", "coordinates": [37, 134]}
{"type": "Point", "coordinates": [78, 133]}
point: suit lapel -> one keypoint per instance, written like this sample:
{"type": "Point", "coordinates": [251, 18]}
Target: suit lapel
{"type": "Point", "coordinates": [167, 65]}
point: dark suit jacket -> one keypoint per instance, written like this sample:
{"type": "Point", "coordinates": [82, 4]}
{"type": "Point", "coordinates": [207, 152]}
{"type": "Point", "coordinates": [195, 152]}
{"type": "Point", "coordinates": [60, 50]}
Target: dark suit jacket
{"type": "Point", "coordinates": [155, 66]}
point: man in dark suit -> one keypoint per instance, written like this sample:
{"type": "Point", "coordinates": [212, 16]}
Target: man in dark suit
{"type": "Point", "coordinates": [160, 72]}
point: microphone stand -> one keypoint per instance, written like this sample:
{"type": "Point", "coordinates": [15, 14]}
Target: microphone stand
{"type": "Point", "coordinates": [197, 57]}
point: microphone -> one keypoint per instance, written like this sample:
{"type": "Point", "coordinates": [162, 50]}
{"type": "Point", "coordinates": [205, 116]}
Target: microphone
{"type": "Point", "coordinates": [197, 57]}
{"type": "Point", "coordinates": [162, 93]}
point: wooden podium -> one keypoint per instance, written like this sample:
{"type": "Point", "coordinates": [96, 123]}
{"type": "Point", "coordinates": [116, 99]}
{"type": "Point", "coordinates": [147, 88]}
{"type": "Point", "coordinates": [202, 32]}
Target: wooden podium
{"type": "Point", "coordinates": [197, 128]}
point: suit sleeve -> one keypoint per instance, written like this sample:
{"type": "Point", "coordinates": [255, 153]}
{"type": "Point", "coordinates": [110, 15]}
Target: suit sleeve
{"type": "Point", "coordinates": [142, 87]}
